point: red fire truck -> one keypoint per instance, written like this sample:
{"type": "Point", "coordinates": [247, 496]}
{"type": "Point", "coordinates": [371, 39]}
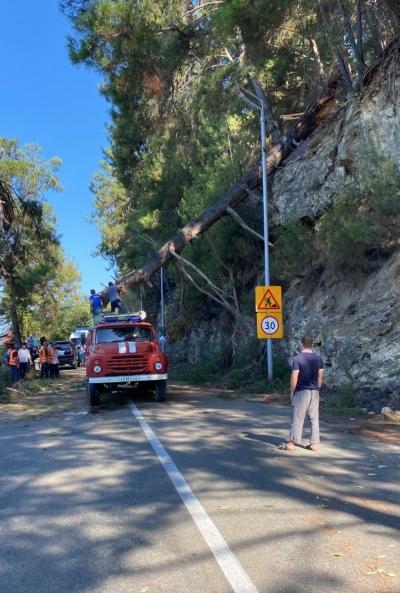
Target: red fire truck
{"type": "Point", "coordinates": [121, 351]}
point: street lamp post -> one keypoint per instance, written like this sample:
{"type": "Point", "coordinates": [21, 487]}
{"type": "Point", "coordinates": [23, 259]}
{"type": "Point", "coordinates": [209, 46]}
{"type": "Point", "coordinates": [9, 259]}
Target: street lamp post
{"type": "Point", "coordinates": [152, 242]}
{"type": "Point", "coordinates": [162, 306]}
{"type": "Point", "coordinates": [260, 107]}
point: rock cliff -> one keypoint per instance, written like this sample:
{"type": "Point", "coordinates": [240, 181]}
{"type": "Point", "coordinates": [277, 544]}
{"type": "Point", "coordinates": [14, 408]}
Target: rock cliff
{"type": "Point", "coordinates": [355, 320]}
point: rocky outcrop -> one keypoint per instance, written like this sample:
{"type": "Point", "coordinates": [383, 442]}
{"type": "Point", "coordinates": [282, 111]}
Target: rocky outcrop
{"type": "Point", "coordinates": [355, 321]}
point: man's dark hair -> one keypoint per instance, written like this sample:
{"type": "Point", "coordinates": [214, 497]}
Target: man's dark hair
{"type": "Point", "coordinates": [111, 284]}
{"type": "Point", "coordinates": [307, 341]}
{"type": "Point", "coordinates": [92, 291]}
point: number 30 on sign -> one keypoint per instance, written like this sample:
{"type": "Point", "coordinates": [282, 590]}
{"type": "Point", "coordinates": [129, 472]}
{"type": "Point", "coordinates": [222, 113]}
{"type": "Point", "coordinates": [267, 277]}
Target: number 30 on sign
{"type": "Point", "coordinates": [269, 325]}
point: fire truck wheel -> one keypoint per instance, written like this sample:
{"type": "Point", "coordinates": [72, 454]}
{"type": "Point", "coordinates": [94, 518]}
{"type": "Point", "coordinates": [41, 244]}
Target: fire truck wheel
{"type": "Point", "coordinates": [93, 392]}
{"type": "Point", "coordinates": [161, 388]}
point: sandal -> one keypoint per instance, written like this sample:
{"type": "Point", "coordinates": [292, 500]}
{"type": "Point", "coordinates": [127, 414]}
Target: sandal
{"type": "Point", "coordinates": [287, 447]}
{"type": "Point", "coordinates": [312, 447]}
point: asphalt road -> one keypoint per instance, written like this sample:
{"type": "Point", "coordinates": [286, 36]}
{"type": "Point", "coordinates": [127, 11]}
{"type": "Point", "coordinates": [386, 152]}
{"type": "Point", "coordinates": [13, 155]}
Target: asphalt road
{"type": "Point", "coordinates": [87, 505]}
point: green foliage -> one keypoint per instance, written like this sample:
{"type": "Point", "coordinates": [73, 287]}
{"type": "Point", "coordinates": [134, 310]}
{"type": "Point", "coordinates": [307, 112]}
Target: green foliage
{"type": "Point", "coordinates": [182, 136]}
{"type": "Point", "coordinates": [364, 222]}
{"type": "Point", "coordinates": [28, 240]}
{"type": "Point", "coordinates": [340, 400]}
{"type": "Point", "coordinates": [40, 284]}
{"type": "Point", "coordinates": [353, 234]}
{"type": "Point", "coordinates": [245, 373]}
{"type": "Point", "coordinates": [294, 251]}
{"type": "Point", "coordinates": [224, 395]}
{"type": "Point", "coordinates": [5, 381]}
{"type": "Point", "coordinates": [56, 305]}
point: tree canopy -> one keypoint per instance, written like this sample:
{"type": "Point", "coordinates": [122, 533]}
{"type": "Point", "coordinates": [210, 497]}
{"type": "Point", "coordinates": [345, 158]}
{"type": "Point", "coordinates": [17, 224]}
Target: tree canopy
{"type": "Point", "coordinates": [184, 81]}
{"type": "Point", "coordinates": [34, 270]}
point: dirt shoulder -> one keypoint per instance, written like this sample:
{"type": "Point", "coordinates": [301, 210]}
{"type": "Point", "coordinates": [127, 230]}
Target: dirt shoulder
{"type": "Point", "coordinates": [67, 395]}
{"type": "Point", "coordinates": [47, 397]}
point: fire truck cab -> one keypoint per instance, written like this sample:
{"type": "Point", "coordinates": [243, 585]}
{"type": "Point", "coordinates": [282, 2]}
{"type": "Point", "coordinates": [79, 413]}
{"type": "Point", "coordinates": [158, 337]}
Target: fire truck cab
{"type": "Point", "coordinates": [123, 350]}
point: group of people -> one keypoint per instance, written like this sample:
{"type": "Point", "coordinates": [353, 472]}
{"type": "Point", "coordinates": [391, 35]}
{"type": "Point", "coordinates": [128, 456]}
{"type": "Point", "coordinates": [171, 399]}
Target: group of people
{"type": "Point", "coordinates": [96, 303]}
{"type": "Point", "coordinates": [306, 378]}
{"type": "Point", "coordinates": [20, 358]}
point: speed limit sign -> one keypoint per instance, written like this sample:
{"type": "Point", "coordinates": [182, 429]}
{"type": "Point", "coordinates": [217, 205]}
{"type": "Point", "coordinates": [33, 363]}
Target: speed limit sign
{"type": "Point", "coordinates": [269, 325]}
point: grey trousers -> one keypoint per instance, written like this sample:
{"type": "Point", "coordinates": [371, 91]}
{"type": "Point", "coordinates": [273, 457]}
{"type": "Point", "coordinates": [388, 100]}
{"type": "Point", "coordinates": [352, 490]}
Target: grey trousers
{"type": "Point", "coordinates": [305, 403]}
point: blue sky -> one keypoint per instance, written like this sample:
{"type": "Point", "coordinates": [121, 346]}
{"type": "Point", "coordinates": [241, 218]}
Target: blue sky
{"type": "Point", "coordinates": [44, 99]}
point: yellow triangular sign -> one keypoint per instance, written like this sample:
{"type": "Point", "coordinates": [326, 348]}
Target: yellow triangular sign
{"type": "Point", "coordinates": [268, 302]}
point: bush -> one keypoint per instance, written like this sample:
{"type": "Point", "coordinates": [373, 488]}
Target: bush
{"type": "Point", "coordinates": [363, 223]}
{"type": "Point", "coordinates": [294, 251]}
{"type": "Point", "coordinates": [340, 400]}
{"type": "Point", "coordinates": [5, 381]}
{"type": "Point", "coordinates": [248, 372]}
{"type": "Point", "coordinates": [359, 228]}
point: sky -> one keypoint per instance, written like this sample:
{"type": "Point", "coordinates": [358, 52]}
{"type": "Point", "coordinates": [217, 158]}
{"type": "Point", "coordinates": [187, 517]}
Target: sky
{"type": "Point", "coordinates": [46, 100]}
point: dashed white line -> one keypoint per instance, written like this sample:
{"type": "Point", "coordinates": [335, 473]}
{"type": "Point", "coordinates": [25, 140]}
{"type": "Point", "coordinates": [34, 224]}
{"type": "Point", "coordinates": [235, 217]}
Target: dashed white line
{"type": "Point", "coordinates": [233, 571]}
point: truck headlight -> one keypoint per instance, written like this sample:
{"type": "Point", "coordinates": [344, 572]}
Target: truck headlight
{"type": "Point", "coordinates": [158, 366]}
{"type": "Point", "coordinates": [97, 368]}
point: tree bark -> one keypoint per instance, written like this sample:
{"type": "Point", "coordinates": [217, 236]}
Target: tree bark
{"type": "Point", "coordinates": [395, 6]}
{"type": "Point", "coordinates": [341, 59]}
{"type": "Point", "coordinates": [356, 46]}
{"type": "Point", "coordinates": [300, 131]}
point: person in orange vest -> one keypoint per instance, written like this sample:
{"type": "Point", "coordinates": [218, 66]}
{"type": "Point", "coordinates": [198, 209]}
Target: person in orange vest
{"type": "Point", "coordinates": [14, 363]}
{"type": "Point", "coordinates": [45, 360]}
{"type": "Point", "coordinates": [53, 362]}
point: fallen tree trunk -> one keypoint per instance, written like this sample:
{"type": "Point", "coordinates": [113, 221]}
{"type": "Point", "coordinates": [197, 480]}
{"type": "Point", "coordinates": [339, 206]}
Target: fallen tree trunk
{"type": "Point", "coordinates": [301, 130]}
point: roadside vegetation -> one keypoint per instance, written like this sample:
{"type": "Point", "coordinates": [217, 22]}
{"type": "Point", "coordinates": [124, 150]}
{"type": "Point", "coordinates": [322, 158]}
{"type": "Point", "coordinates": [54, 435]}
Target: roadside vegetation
{"type": "Point", "coordinates": [246, 374]}
{"type": "Point", "coordinates": [39, 283]}
{"type": "Point", "coordinates": [356, 233]}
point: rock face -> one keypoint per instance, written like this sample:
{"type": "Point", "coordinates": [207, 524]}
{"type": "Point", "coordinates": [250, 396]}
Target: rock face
{"type": "Point", "coordinates": [355, 322]}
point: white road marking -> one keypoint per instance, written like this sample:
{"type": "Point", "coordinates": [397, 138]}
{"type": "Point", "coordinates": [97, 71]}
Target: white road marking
{"type": "Point", "coordinates": [231, 568]}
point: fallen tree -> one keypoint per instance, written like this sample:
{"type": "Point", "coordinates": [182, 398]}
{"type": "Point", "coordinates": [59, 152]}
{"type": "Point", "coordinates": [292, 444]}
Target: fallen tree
{"type": "Point", "coordinates": [324, 106]}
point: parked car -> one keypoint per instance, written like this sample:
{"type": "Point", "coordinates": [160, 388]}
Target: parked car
{"type": "Point", "coordinates": [66, 353]}
{"type": "Point", "coordinates": [79, 335]}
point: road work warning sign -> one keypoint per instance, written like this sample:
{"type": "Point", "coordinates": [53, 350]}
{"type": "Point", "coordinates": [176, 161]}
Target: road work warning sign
{"type": "Point", "coordinates": [268, 298]}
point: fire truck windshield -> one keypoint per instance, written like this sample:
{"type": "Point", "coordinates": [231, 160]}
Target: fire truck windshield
{"type": "Point", "coordinates": [123, 334]}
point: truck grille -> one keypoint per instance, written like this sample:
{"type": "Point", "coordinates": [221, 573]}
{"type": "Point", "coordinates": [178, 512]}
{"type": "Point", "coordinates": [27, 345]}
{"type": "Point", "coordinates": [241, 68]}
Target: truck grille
{"type": "Point", "coordinates": [127, 365]}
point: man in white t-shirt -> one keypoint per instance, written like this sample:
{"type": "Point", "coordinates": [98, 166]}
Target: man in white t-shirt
{"type": "Point", "coordinates": [24, 360]}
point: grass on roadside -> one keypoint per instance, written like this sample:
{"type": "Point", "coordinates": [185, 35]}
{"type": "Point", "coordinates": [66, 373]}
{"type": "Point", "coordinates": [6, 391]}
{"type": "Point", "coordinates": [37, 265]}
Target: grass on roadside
{"type": "Point", "coordinates": [246, 376]}
{"type": "Point", "coordinates": [391, 417]}
{"type": "Point", "coordinates": [340, 400]}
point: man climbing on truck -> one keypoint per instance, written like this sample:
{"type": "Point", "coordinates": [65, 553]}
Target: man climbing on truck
{"type": "Point", "coordinates": [113, 291]}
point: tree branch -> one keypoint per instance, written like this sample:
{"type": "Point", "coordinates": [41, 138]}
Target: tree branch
{"type": "Point", "coordinates": [220, 300]}
{"type": "Point", "coordinates": [226, 267]}
{"type": "Point", "coordinates": [244, 226]}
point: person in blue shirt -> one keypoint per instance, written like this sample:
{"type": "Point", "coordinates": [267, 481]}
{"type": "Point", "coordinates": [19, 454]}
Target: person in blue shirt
{"type": "Point", "coordinates": [305, 383]}
{"type": "Point", "coordinates": [5, 361]}
{"type": "Point", "coordinates": [96, 306]}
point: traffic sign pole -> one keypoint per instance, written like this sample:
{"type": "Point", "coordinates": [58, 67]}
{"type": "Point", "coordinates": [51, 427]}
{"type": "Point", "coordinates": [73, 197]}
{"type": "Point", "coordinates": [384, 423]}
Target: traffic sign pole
{"type": "Point", "coordinates": [265, 207]}
{"type": "Point", "coordinates": [266, 242]}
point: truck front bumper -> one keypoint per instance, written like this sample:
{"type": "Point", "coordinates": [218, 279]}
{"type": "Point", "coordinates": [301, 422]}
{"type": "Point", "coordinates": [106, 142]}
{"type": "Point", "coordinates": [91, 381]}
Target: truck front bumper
{"type": "Point", "coordinates": [127, 378]}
